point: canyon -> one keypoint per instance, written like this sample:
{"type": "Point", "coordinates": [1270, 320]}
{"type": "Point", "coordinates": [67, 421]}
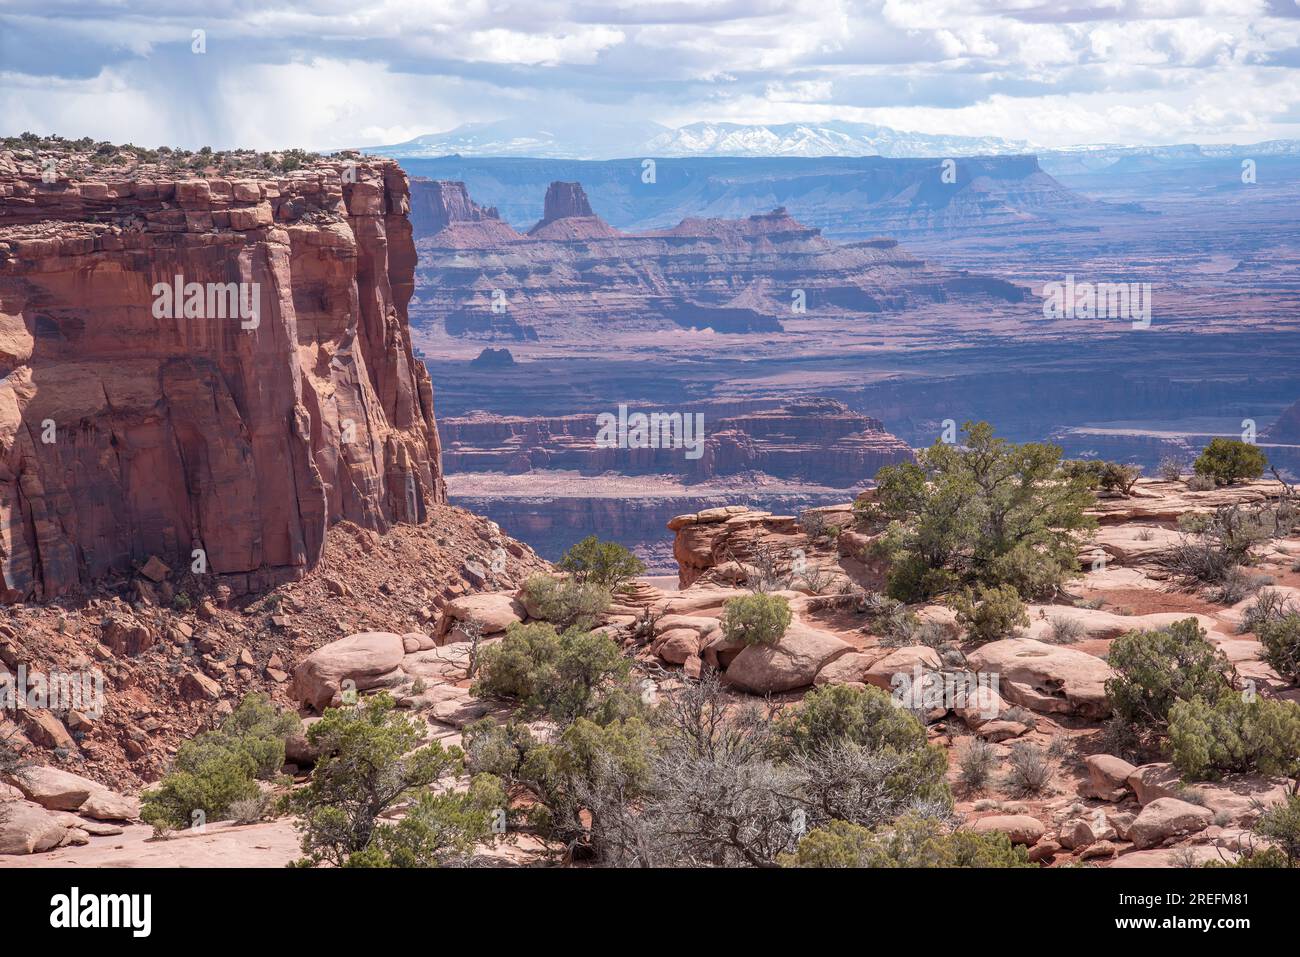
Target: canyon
{"type": "Point", "coordinates": [921, 308]}
{"type": "Point", "coordinates": [301, 456]}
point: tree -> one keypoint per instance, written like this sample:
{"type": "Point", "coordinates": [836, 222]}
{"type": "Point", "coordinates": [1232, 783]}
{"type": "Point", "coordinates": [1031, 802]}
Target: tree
{"type": "Point", "coordinates": [607, 564]}
{"type": "Point", "coordinates": [913, 841]}
{"type": "Point", "coordinates": [1107, 476]}
{"type": "Point", "coordinates": [859, 757]}
{"type": "Point", "coordinates": [567, 675]}
{"type": "Point", "coordinates": [986, 512]}
{"type": "Point", "coordinates": [1281, 640]}
{"type": "Point", "coordinates": [1230, 460]}
{"type": "Point", "coordinates": [370, 759]}
{"type": "Point", "coordinates": [993, 615]}
{"type": "Point", "coordinates": [1156, 669]}
{"type": "Point", "coordinates": [439, 829]}
{"type": "Point", "coordinates": [565, 604]}
{"type": "Point", "coordinates": [1281, 825]}
{"type": "Point", "coordinates": [218, 768]}
{"type": "Point", "coordinates": [1233, 734]}
{"type": "Point", "coordinates": [756, 619]}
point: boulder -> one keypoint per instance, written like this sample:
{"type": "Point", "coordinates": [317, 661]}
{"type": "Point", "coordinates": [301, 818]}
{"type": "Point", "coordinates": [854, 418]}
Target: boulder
{"type": "Point", "coordinates": [676, 645]}
{"type": "Point", "coordinates": [493, 613]}
{"type": "Point", "coordinates": [1238, 797]}
{"type": "Point", "coordinates": [125, 635]}
{"type": "Point", "coordinates": [718, 651]}
{"type": "Point", "coordinates": [1107, 777]}
{"type": "Point", "coordinates": [793, 662]}
{"type": "Point", "coordinates": [29, 828]}
{"type": "Point", "coordinates": [850, 668]}
{"type": "Point", "coordinates": [980, 705]}
{"type": "Point", "coordinates": [1020, 828]}
{"type": "Point", "coordinates": [904, 662]}
{"type": "Point", "coordinates": [297, 749]}
{"type": "Point", "coordinates": [370, 659]}
{"type": "Point", "coordinates": [1195, 855]}
{"type": "Point", "coordinates": [1165, 818]}
{"type": "Point", "coordinates": [998, 730]}
{"type": "Point", "coordinates": [196, 686]}
{"type": "Point", "coordinates": [1046, 678]}
{"type": "Point", "coordinates": [1080, 832]}
{"type": "Point", "coordinates": [53, 789]}
{"type": "Point", "coordinates": [46, 729]}
{"type": "Point", "coordinates": [105, 805]}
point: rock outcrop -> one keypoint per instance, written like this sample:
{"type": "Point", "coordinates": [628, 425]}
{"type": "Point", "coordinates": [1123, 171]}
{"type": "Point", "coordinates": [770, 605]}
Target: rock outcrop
{"type": "Point", "coordinates": [444, 209]}
{"type": "Point", "coordinates": [567, 216]}
{"type": "Point", "coordinates": [209, 371]}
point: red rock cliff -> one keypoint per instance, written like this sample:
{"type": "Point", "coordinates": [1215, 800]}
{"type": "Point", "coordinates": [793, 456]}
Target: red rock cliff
{"type": "Point", "coordinates": [123, 434]}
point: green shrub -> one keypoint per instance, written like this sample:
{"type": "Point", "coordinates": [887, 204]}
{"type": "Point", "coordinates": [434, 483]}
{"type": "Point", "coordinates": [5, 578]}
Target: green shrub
{"type": "Point", "coordinates": [859, 757]}
{"type": "Point", "coordinates": [565, 604]}
{"type": "Point", "coordinates": [994, 615]}
{"type": "Point", "coordinates": [1230, 460]}
{"type": "Point", "coordinates": [567, 675]}
{"type": "Point", "coordinates": [439, 829]}
{"type": "Point", "coordinates": [1281, 640]}
{"type": "Point", "coordinates": [1030, 770]}
{"type": "Point", "coordinates": [578, 772]}
{"type": "Point", "coordinates": [1155, 669]}
{"type": "Point", "coordinates": [985, 513]}
{"type": "Point", "coordinates": [1281, 825]}
{"type": "Point", "coordinates": [976, 763]}
{"type": "Point", "coordinates": [837, 713]}
{"type": "Point", "coordinates": [203, 790]}
{"type": "Point", "coordinates": [606, 564]}
{"type": "Point", "coordinates": [1235, 735]}
{"type": "Point", "coordinates": [1107, 476]}
{"type": "Point", "coordinates": [496, 749]}
{"type": "Point", "coordinates": [912, 841]}
{"type": "Point", "coordinates": [757, 619]}
{"type": "Point", "coordinates": [218, 768]}
{"type": "Point", "coordinates": [371, 758]}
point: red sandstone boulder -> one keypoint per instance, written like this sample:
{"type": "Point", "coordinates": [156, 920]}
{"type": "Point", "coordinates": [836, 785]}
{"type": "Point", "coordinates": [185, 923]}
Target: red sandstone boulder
{"type": "Point", "coordinates": [29, 829]}
{"type": "Point", "coordinates": [492, 613]}
{"type": "Point", "coordinates": [1045, 677]}
{"type": "Point", "coordinates": [368, 660]}
{"type": "Point", "coordinates": [793, 662]}
{"type": "Point", "coordinates": [1165, 818]}
{"type": "Point", "coordinates": [1020, 828]}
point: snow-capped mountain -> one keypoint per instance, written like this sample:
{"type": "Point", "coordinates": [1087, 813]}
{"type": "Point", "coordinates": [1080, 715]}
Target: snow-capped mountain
{"type": "Point", "coordinates": [561, 139]}
{"type": "Point", "coordinates": [605, 140]}
{"type": "Point", "coordinates": [819, 139]}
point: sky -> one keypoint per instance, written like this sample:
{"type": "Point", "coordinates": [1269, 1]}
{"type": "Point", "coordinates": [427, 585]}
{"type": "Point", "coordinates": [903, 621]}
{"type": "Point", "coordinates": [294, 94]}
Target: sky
{"type": "Point", "coordinates": [328, 74]}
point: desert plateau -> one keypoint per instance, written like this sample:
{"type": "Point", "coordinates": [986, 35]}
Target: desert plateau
{"type": "Point", "coordinates": [505, 450]}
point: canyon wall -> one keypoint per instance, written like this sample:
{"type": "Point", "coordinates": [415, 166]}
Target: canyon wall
{"type": "Point", "coordinates": [574, 276]}
{"type": "Point", "coordinates": [815, 439]}
{"type": "Point", "coordinates": [131, 427]}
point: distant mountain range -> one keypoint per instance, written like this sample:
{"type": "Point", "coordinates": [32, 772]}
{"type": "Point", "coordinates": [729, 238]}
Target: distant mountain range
{"type": "Point", "coordinates": [567, 140]}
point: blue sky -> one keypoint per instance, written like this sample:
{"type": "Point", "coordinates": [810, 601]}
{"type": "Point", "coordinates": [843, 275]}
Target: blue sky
{"type": "Point", "coordinates": [339, 73]}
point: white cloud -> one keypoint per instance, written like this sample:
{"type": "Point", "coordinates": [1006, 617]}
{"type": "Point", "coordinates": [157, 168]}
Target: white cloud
{"type": "Point", "coordinates": [345, 72]}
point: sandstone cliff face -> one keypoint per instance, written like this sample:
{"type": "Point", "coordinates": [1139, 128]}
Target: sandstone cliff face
{"type": "Point", "coordinates": [125, 434]}
{"type": "Point", "coordinates": [445, 209]}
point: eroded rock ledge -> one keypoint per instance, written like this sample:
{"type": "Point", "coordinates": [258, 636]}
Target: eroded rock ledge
{"type": "Point", "coordinates": [124, 435]}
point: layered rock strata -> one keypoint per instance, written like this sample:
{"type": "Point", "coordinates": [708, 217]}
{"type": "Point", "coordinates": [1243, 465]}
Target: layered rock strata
{"type": "Point", "coordinates": [206, 370]}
